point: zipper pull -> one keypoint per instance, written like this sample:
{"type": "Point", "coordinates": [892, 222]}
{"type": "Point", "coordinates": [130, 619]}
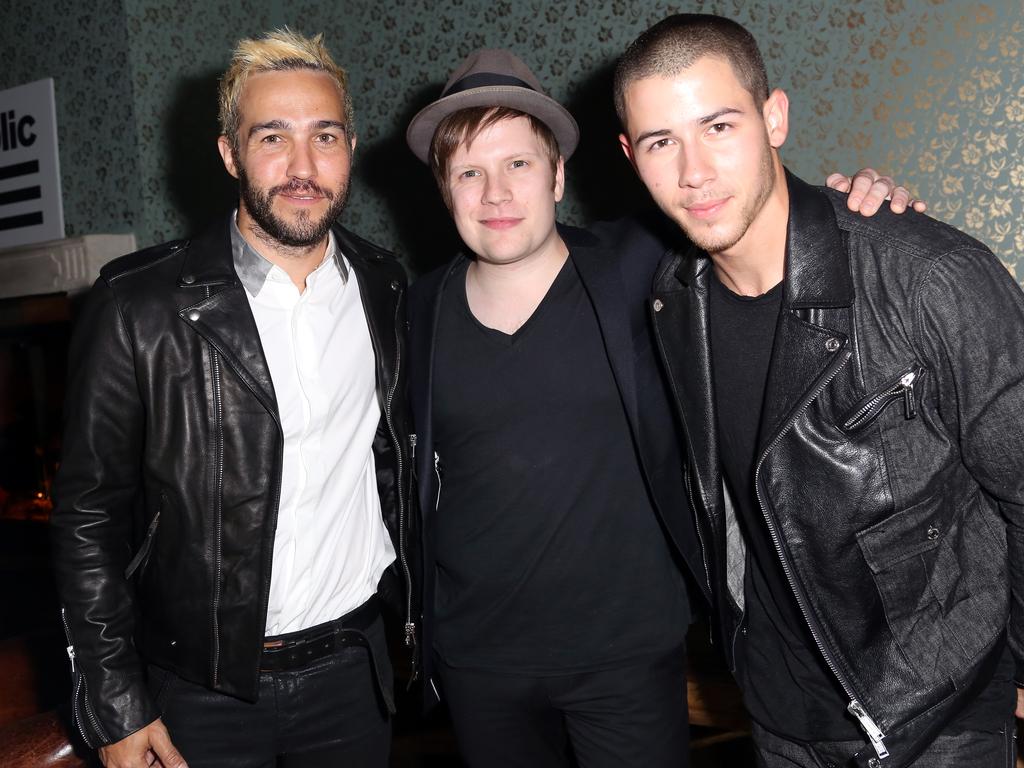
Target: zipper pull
{"type": "Point", "coordinates": [909, 406]}
{"type": "Point", "coordinates": [412, 446]}
{"type": "Point", "coordinates": [874, 733]}
{"type": "Point", "coordinates": [71, 655]}
{"type": "Point", "coordinates": [410, 634]}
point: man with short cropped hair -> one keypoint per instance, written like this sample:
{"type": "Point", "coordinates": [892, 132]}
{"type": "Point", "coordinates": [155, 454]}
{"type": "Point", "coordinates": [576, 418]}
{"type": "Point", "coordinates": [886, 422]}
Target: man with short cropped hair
{"type": "Point", "coordinates": [852, 394]}
{"type": "Point", "coordinates": [557, 542]}
{"type": "Point", "coordinates": [234, 496]}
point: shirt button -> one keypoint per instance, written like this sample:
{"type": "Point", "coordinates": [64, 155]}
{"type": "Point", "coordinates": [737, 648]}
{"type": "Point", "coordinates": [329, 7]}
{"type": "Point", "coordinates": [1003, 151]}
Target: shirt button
{"type": "Point", "coordinates": [933, 533]}
{"type": "Point", "coordinates": [832, 344]}
{"type": "Point", "coordinates": [658, 304]}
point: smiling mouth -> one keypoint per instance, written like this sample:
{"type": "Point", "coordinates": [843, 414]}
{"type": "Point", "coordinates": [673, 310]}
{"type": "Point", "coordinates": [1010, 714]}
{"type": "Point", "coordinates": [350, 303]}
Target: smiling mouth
{"type": "Point", "coordinates": [707, 208]}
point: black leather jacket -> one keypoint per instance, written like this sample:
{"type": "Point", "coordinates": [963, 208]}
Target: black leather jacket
{"type": "Point", "coordinates": [890, 469]}
{"type": "Point", "coordinates": [167, 496]}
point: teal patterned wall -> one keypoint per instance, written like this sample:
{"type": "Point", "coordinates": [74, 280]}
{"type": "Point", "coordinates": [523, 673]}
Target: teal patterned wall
{"type": "Point", "coordinates": [929, 90]}
{"type": "Point", "coordinates": [84, 48]}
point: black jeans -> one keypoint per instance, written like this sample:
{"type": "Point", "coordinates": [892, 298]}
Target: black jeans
{"type": "Point", "coordinates": [953, 748]}
{"type": "Point", "coordinates": [329, 713]}
{"type": "Point", "coordinates": [633, 715]}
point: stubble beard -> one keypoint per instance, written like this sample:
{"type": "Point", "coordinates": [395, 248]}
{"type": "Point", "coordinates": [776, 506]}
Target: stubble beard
{"type": "Point", "coordinates": [304, 231]}
{"type": "Point", "coordinates": [706, 239]}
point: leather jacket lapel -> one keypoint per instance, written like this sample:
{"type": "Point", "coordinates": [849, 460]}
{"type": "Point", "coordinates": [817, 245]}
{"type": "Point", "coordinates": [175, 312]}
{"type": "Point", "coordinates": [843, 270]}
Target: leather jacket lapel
{"type": "Point", "coordinates": [223, 316]}
{"type": "Point", "coordinates": [817, 285]}
{"type": "Point", "coordinates": [681, 287]}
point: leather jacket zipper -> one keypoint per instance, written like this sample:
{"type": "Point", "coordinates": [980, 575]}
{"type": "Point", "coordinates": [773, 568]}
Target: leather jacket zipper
{"type": "Point", "coordinates": [700, 536]}
{"type": "Point", "coordinates": [80, 700]}
{"type": "Point", "coordinates": [142, 556]}
{"type": "Point", "coordinates": [689, 449]}
{"type": "Point", "coordinates": [855, 708]}
{"type": "Point", "coordinates": [217, 506]}
{"type": "Point", "coordinates": [871, 408]}
{"type": "Point", "coordinates": [437, 474]}
{"type": "Point", "coordinates": [410, 625]}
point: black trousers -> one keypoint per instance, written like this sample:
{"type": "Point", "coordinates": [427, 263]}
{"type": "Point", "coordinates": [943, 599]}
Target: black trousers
{"type": "Point", "coordinates": [329, 713]}
{"type": "Point", "coordinates": [632, 715]}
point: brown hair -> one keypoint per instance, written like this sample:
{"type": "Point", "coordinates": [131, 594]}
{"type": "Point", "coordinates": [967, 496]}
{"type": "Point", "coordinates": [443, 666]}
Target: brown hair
{"type": "Point", "coordinates": [465, 125]}
{"type": "Point", "coordinates": [676, 43]}
{"type": "Point", "coordinates": [276, 51]}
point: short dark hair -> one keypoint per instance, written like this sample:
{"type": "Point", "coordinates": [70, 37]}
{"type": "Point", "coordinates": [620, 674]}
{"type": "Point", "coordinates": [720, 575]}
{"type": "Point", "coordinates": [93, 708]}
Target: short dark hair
{"type": "Point", "coordinates": [676, 43]}
{"type": "Point", "coordinates": [465, 125]}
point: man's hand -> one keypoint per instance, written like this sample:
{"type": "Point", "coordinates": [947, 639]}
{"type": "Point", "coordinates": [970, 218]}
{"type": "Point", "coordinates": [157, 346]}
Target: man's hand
{"type": "Point", "coordinates": [868, 189]}
{"type": "Point", "coordinates": [147, 746]}
{"type": "Point", "coordinates": [1020, 704]}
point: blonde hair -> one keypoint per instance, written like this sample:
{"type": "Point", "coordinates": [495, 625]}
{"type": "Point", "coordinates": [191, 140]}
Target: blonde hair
{"type": "Point", "coordinates": [276, 51]}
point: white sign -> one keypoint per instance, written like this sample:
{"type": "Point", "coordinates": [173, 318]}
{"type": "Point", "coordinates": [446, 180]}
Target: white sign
{"type": "Point", "coordinates": [31, 208]}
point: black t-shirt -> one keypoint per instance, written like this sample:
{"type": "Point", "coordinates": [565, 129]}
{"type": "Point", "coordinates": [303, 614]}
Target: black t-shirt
{"type": "Point", "coordinates": [787, 686]}
{"type": "Point", "coordinates": [550, 557]}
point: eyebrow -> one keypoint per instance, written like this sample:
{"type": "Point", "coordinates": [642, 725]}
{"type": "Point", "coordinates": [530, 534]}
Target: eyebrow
{"type": "Point", "coordinates": [284, 125]}
{"type": "Point", "coordinates": [705, 120]}
{"type": "Point", "coordinates": [720, 113]}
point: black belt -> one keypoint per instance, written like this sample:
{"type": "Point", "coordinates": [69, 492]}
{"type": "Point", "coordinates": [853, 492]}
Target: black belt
{"type": "Point", "coordinates": [295, 650]}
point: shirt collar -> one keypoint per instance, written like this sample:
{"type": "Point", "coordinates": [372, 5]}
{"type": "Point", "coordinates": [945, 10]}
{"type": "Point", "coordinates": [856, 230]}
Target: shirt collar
{"type": "Point", "coordinates": [252, 267]}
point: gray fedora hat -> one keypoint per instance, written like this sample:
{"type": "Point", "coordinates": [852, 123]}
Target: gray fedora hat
{"type": "Point", "coordinates": [492, 78]}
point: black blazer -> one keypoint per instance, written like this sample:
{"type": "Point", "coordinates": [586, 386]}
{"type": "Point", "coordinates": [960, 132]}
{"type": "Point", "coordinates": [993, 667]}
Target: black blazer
{"type": "Point", "coordinates": [616, 263]}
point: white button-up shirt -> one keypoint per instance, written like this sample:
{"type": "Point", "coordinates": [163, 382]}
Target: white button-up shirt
{"type": "Point", "coordinates": [331, 545]}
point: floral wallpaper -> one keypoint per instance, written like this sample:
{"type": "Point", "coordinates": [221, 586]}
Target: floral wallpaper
{"type": "Point", "coordinates": [930, 91]}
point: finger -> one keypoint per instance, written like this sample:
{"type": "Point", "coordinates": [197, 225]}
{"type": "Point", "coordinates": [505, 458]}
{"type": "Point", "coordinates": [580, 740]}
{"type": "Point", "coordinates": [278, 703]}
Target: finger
{"type": "Point", "coordinates": [919, 205]}
{"type": "Point", "coordinates": [150, 757]}
{"type": "Point", "coordinates": [860, 189]}
{"type": "Point", "coordinates": [900, 200]}
{"type": "Point", "coordinates": [877, 194]}
{"type": "Point", "coordinates": [838, 182]}
{"type": "Point", "coordinates": [1020, 704]}
{"type": "Point", "coordinates": [169, 756]}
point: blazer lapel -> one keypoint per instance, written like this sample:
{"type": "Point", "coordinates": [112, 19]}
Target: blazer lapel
{"type": "Point", "coordinates": [599, 273]}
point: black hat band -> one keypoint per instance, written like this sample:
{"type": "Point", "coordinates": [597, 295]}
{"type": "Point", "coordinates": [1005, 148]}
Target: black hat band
{"type": "Point", "coordinates": [484, 79]}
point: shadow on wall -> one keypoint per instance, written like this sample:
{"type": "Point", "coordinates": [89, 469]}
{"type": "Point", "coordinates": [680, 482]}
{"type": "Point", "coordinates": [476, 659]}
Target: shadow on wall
{"type": "Point", "coordinates": [424, 230]}
{"type": "Point", "coordinates": [199, 188]}
{"type": "Point", "coordinates": [599, 179]}
{"type": "Point", "coordinates": [598, 176]}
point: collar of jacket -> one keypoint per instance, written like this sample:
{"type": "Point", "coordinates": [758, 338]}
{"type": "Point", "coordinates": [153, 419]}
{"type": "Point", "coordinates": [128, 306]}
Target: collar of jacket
{"type": "Point", "coordinates": [817, 272]}
{"type": "Point", "coordinates": [208, 259]}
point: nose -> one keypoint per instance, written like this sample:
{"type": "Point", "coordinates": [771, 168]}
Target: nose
{"type": "Point", "coordinates": [496, 189]}
{"type": "Point", "coordinates": [300, 162]}
{"type": "Point", "coordinates": [695, 168]}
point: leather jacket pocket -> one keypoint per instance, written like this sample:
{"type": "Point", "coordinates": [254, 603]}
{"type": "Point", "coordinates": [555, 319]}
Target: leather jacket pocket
{"type": "Point", "coordinates": [900, 389]}
{"type": "Point", "coordinates": [141, 558]}
{"type": "Point", "coordinates": [943, 581]}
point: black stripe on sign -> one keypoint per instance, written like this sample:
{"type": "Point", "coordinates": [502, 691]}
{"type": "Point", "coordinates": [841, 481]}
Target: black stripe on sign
{"type": "Point", "coordinates": [19, 169]}
{"type": "Point", "coordinates": [25, 220]}
{"type": "Point", "coordinates": [20, 195]}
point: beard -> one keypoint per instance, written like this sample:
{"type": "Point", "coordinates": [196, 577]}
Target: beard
{"type": "Point", "coordinates": [705, 238]}
{"type": "Point", "coordinates": [304, 231]}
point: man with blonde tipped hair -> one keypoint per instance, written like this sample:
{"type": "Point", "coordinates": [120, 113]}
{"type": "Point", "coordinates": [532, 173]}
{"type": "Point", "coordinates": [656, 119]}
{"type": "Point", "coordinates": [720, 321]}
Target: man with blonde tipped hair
{"type": "Point", "coordinates": [232, 510]}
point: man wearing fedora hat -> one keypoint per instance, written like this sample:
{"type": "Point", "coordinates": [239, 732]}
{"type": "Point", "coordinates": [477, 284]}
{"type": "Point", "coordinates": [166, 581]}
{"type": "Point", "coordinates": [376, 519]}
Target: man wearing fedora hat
{"type": "Point", "coordinates": [557, 546]}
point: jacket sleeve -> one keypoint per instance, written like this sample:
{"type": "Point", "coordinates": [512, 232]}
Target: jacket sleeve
{"type": "Point", "coordinates": [970, 318]}
{"type": "Point", "coordinates": [96, 487]}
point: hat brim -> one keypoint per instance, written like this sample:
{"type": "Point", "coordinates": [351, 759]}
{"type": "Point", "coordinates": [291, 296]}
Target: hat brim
{"type": "Point", "coordinates": [556, 117]}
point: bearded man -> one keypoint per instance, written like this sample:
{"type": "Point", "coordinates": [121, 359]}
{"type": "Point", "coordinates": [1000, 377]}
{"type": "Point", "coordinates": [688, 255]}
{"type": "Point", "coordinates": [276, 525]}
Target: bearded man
{"type": "Point", "coordinates": [234, 492]}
